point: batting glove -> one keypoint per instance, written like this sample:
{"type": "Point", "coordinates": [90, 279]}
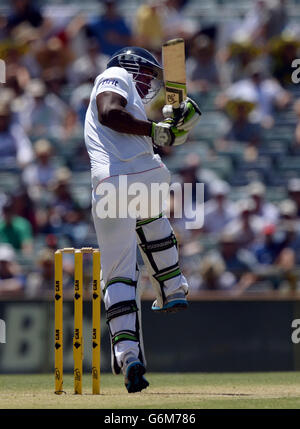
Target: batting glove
{"type": "Point", "coordinates": [188, 117]}
{"type": "Point", "coordinates": [165, 133]}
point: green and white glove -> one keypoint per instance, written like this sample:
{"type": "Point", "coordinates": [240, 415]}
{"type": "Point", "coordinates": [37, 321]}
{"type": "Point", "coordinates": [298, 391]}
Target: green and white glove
{"type": "Point", "coordinates": [165, 133]}
{"type": "Point", "coordinates": [189, 114]}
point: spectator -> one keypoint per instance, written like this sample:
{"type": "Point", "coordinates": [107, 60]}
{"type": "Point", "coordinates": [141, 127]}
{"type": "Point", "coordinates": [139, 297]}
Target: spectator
{"type": "Point", "coordinates": [263, 209]}
{"type": "Point", "coordinates": [235, 60]}
{"type": "Point", "coordinates": [276, 256]}
{"type": "Point", "coordinates": [54, 55]}
{"type": "Point", "coordinates": [268, 250]}
{"type": "Point", "coordinates": [3, 26]}
{"type": "Point", "coordinates": [45, 113]}
{"type": "Point", "coordinates": [6, 96]}
{"type": "Point", "coordinates": [294, 192]}
{"type": "Point", "coordinates": [189, 174]}
{"type": "Point", "coordinates": [193, 172]}
{"type": "Point", "coordinates": [214, 276]}
{"type": "Point", "coordinates": [202, 71]}
{"type": "Point", "coordinates": [241, 129]}
{"type": "Point", "coordinates": [296, 143]}
{"type": "Point", "coordinates": [265, 92]}
{"type": "Point", "coordinates": [218, 210]}
{"type": "Point", "coordinates": [15, 230]}
{"type": "Point", "coordinates": [73, 34]}
{"type": "Point", "coordinates": [24, 207]}
{"type": "Point", "coordinates": [229, 267]}
{"type": "Point", "coordinates": [283, 51]}
{"type": "Point", "coordinates": [175, 24]}
{"type": "Point", "coordinates": [289, 223]}
{"type": "Point", "coordinates": [247, 226]}
{"type": "Point", "coordinates": [40, 283]}
{"type": "Point", "coordinates": [110, 29]}
{"type": "Point", "coordinates": [253, 27]}
{"type": "Point", "coordinates": [63, 203]}
{"type": "Point", "coordinates": [80, 100]}
{"type": "Point", "coordinates": [149, 31]}
{"type": "Point", "coordinates": [76, 227]}
{"type": "Point", "coordinates": [48, 223]}
{"type": "Point", "coordinates": [24, 11]}
{"type": "Point", "coordinates": [287, 210]}
{"type": "Point", "coordinates": [12, 280]}
{"type": "Point", "coordinates": [71, 127]}
{"type": "Point", "coordinates": [55, 80]}
{"type": "Point", "coordinates": [178, 223]}
{"type": "Point", "coordinates": [186, 214]}
{"type": "Point", "coordinates": [87, 67]}
{"type": "Point", "coordinates": [39, 175]}
{"type": "Point", "coordinates": [16, 80]}
{"type": "Point", "coordinates": [26, 39]}
{"type": "Point", "coordinates": [277, 18]}
{"type": "Point", "coordinates": [15, 147]}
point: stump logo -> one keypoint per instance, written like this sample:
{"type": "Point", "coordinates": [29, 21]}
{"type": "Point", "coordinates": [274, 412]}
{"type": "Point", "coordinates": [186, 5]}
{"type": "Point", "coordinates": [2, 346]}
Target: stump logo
{"type": "Point", "coordinates": [2, 331]}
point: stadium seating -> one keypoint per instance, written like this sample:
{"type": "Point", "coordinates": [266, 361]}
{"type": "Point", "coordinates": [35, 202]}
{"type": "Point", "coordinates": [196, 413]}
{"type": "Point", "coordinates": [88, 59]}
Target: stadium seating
{"type": "Point", "coordinates": [275, 164]}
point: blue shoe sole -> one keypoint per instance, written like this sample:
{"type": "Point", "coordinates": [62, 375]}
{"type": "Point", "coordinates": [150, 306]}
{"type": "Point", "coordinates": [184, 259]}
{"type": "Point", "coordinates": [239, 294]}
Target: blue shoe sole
{"type": "Point", "coordinates": [135, 380]}
{"type": "Point", "coordinates": [172, 307]}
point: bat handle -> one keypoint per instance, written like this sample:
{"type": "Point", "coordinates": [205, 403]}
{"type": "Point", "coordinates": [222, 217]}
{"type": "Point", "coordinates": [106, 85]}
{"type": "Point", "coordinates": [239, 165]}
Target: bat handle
{"type": "Point", "coordinates": [176, 113]}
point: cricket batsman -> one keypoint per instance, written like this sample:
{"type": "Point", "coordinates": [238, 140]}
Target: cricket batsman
{"type": "Point", "coordinates": [119, 139]}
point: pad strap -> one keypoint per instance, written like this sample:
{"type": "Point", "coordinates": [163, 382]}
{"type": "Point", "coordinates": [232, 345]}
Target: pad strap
{"type": "Point", "coordinates": [154, 246]}
{"type": "Point", "coordinates": [124, 336]}
{"type": "Point", "coordinates": [167, 273]}
{"type": "Point", "coordinates": [159, 245]}
{"type": "Point", "coordinates": [145, 221]}
{"type": "Point", "coordinates": [124, 280]}
{"type": "Point", "coordinates": [120, 309]}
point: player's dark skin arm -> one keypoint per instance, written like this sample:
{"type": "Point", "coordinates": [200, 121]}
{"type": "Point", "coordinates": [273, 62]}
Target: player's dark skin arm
{"type": "Point", "coordinates": [112, 114]}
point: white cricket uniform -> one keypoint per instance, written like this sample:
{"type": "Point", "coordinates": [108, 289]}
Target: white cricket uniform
{"type": "Point", "coordinates": [113, 154]}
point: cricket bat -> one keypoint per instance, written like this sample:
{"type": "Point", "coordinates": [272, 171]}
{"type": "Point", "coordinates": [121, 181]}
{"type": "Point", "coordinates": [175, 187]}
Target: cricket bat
{"type": "Point", "coordinates": [173, 55]}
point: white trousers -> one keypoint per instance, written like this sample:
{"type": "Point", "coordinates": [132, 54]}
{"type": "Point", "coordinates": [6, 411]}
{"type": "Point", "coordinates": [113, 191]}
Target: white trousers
{"type": "Point", "coordinates": [118, 240]}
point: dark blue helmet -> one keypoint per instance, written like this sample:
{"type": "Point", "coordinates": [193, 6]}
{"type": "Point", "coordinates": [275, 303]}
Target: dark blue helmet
{"type": "Point", "coordinates": [144, 68]}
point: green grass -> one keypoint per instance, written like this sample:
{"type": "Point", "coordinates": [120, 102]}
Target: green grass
{"type": "Point", "coordinates": [177, 391]}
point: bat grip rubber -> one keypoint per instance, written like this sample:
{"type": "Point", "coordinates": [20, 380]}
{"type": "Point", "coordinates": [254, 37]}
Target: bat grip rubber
{"type": "Point", "coordinates": [176, 114]}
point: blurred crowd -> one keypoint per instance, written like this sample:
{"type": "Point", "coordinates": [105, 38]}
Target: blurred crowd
{"type": "Point", "coordinates": [246, 149]}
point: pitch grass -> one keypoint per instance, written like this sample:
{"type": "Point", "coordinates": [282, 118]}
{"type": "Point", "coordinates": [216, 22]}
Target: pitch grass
{"type": "Point", "coordinates": [177, 391]}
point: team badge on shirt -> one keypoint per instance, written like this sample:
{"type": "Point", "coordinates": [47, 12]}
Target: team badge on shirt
{"type": "Point", "coordinates": [113, 82]}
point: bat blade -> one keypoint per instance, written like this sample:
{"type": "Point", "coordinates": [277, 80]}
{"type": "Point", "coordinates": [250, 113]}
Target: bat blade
{"type": "Point", "coordinates": [173, 54]}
